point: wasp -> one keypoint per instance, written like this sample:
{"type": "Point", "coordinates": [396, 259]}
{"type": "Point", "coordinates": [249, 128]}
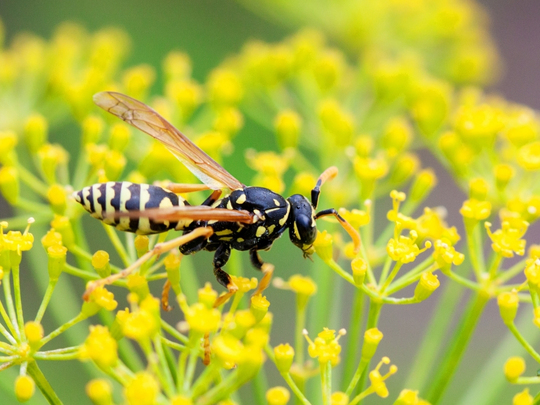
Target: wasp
{"type": "Point", "coordinates": [247, 218]}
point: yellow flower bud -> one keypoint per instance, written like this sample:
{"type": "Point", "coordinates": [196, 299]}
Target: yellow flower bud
{"type": "Point", "coordinates": [24, 388]}
{"type": "Point", "coordinates": [259, 306]}
{"type": "Point", "coordinates": [514, 368]}
{"type": "Point", "coordinates": [100, 347]}
{"type": "Point", "coordinates": [338, 124]}
{"type": "Point", "coordinates": [8, 141]}
{"type": "Point", "coordinates": [34, 332]}
{"type": "Point", "coordinates": [323, 246]}
{"type": "Point", "coordinates": [372, 338]}
{"type": "Point", "coordinates": [138, 79]}
{"type": "Point", "coordinates": [51, 238]}
{"type": "Point", "coordinates": [9, 184]}
{"type": "Point", "coordinates": [328, 69]}
{"type": "Point", "coordinates": [278, 396]}
{"type": "Point", "coordinates": [523, 398]}
{"type": "Point", "coordinates": [304, 287]}
{"type": "Point", "coordinates": [92, 127]}
{"type": "Point", "coordinates": [422, 185]}
{"type": "Point", "coordinates": [284, 356]}
{"type": "Point", "coordinates": [339, 398]}
{"type": "Point", "coordinates": [359, 268]}
{"type": "Point", "coordinates": [207, 295]}
{"type": "Point", "coordinates": [428, 283]}
{"type": "Point", "coordinates": [35, 132]}
{"type": "Point", "coordinates": [243, 320]}
{"type": "Point", "coordinates": [119, 138]}
{"type": "Point", "coordinates": [63, 226]}
{"type": "Point", "coordinates": [397, 136]}
{"type": "Point", "coordinates": [229, 121]}
{"type": "Point", "coordinates": [181, 400]}
{"type": "Point", "coordinates": [138, 285]}
{"type": "Point", "coordinates": [245, 284]}
{"type": "Point", "coordinates": [529, 156]}
{"type": "Point", "coordinates": [288, 124]}
{"type": "Point", "coordinates": [201, 319]}
{"type": "Point", "coordinates": [508, 305]}
{"type": "Point", "coordinates": [99, 391]}
{"type": "Point", "coordinates": [57, 260]}
{"type": "Point", "coordinates": [56, 194]}
{"type": "Point", "coordinates": [141, 244]}
{"type": "Point", "coordinates": [404, 167]}
{"type": "Point", "coordinates": [407, 397]}
{"type": "Point", "coordinates": [478, 189]}
{"type": "Point", "coordinates": [177, 65]}
{"type": "Point", "coordinates": [186, 95]}
{"type": "Point", "coordinates": [503, 174]}
{"type": "Point", "coordinates": [143, 389]}
{"type": "Point", "coordinates": [224, 87]}
{"type": "Point", "coordinates": [100, 263]}
{"type": "Point", "coordinates": [114, 164]}
{"type": "Point", "coordinates": [227, 349]}
{"type": "Point", "coordinates": [430, 104]}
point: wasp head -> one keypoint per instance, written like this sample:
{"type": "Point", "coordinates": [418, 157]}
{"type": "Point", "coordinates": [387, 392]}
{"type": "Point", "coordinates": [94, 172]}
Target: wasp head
{"type": "Point", "coordinates": [302, 227]}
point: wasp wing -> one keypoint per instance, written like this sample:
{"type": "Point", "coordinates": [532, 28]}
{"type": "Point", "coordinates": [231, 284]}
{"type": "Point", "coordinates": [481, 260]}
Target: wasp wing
{"type": "Point", "coordinates": [194, 212]}
{"type": "Point", "coordinates": [149, 121]}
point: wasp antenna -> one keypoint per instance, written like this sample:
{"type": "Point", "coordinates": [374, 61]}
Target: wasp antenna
{"type": "Point", "coordinates": [328, 174]}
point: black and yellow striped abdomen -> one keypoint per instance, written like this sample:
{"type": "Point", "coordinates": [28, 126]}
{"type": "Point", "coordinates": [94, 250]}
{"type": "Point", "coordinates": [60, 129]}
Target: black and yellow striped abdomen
{"type": "Point", "coordinates": [103, 200]}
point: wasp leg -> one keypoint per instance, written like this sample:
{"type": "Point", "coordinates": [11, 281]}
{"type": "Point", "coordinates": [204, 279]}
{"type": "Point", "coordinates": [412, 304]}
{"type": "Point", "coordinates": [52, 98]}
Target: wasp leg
{"type": "Point", "coordinates": [179, 188]}
{"type": "Point", "coordinates": [165, 296]}
{"type": "Point", "coordinates": [266, 268]}
{"type": "Point", "coordinates": [212, 198]}
{"type": "Point", "coordinates": [156, 251]}
{"type": "Point", "coordinates": [328, 174]}
{"type": "Point", "coordinates": [221, 257]}
{"type": "Point", "coordinates": [353, 233]}
{"type": "Point", "coordinates": [223, 252]}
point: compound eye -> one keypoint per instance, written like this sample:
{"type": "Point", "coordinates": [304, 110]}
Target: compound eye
{"type": "Point", "coordinates": [304, 229]}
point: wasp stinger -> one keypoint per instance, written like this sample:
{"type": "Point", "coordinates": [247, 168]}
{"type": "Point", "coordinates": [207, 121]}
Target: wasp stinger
{"type": "Point", "coordinates": [248, 218]}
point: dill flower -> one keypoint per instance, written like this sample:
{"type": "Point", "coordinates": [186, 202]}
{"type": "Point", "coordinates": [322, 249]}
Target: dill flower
{"type": "Point", "coordinates": [100, 391]}
{"type": "Point", "coordinates": [513, 368]}
{"type": "Point", "coordinates": [325, 347]}
{"type": "Point", "coordinates": [142, 389]}
{"type": "Point", "coordinates": [24, 388]}
{"type": "Point", "coordinates": [284, 356]}
{"type": "Point", "coordinates": [507, 240]}
{"type": "Point", "coordinates": [100, 347]}
{"type": "Point", "coordinates": [278, 396]}
{"type": "Point", "coordinates": [377, 380]}
{"type": "Point", "coordinates": [523, 398]}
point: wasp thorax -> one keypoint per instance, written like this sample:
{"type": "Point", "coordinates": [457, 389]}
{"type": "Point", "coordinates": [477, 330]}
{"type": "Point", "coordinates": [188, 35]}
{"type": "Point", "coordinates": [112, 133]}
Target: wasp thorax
{"type": "Point", "coordinates": [302, 227]}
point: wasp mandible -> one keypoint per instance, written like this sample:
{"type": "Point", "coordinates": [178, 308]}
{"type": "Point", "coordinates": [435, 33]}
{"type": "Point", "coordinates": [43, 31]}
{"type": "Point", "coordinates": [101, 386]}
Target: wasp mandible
{"type": "Point", "coordinates": [248, 218]}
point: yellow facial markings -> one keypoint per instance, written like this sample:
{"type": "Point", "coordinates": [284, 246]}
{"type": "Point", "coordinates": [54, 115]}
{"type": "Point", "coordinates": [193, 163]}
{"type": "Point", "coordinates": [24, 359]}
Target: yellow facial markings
{"type": "Point", "coordinates": [296, 233]}
{"type": "Point", "coordinates": [260, 231]}
{"type": "Point", "coordinates": [241, 199]}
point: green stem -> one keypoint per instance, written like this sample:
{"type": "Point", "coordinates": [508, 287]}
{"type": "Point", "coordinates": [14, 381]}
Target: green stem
{"type": "Point", "coordinates": [458, 345]}
{"type": "Point", "coordinates": [42, 383]}
{"type": "Point", "coordinates": [45, 300]}
{"type": "Point", "coordinates": [326, 382]}
{"type": "Point", "coordinates": [18, 300]}
{"type": "Point", "coordinates": [113, 236]}
{"type": "Point", "coordinates": [353, 336]}
{"type": "Point", "coordinates": [11, 307]}
{"type": "Point", "coordinates": [9, 335]}
{"type": "Point", "coordinates": [372, 321]}
{"type": "Point", "coordinates": [299, 338]}
{"type": "Point", "coordinates": [359, 372]}
{"type": "Point", "coordinates": [63, 328]}
{"type": "Point", "coordinates": [294, 388]}
{"type": "Point", "coordinates": [526, 345]}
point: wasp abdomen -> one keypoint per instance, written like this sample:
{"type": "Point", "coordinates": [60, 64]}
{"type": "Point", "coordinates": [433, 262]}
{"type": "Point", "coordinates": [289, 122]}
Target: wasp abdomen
{"type": "Point", "coordinates": [104, 200]}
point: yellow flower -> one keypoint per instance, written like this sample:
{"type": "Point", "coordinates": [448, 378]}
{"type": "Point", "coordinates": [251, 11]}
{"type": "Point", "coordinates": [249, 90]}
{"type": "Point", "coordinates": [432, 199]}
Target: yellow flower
{"type": "Point", "coordinates": [339, 398]}
{"type": "Point", "coordinates": [138, 79]}
{"type": "Point", "coordinates": [514, 368]}
{"type": "Point", "coordinates": [100, 347]}
{"type": "Point", "coordinates": [508, 305]}
{"type": "Point", "coordinates": [284, 356]}
{"type": "Point", "coordinates": [302, 285]}
{"type": "Point", "coordinates": [404, 249]}
{"type": "Point", "coordinates": [245, 284]}
{"type": "Point", "coordinates": [338, 123]}
{"type": "Point", "coordinates": [259, 306]}
{"type": "Point", "coordinates": [523, 398]}
{"type": "Point", "coordinates": [278, 396]}
{"type": "Point", "coordinates": [227, 349]}
{"type": "Point", "coordinates": [288, 125]}
{"type": "Point", "coordinates": [33, 331]}
{"type": "Point", "coordinates": [99, 391]}
{"type": "Point", "coordinates": [202, 319]}
{"type": "Point", "coordinates": [24, 388]}
{"type": "Point", "coordinates": [9, 184]}
{"type": "Point", "coordinates": [479, 124]}
{"type": "Point", "coordinates": [142, 323]}
{"type": "Point", "coordinates": [224, 87]}
{"type": "Point", "coordinates": [507, 240]}
{"type": "Point", "coordinates": [377, 380]}
{"type": "Point", "coordinates": [325, 347]}
{"type": "Point", "coordinates": [143, 389]}
{"type": "Point", "coordinates": [427, 284]}
{"type": "Point", "coordinates": [475, 210]}
{"type": "Point", "coordinates": [372, 338]}
{"type": "Point", "coordinates": [323, 245]}
{"type": "Point", "coordinates": [445, 254]}
{"type": "Point", "coordinates": [207, 295]}
{"type": "Point", "coordinates": [529, 156]}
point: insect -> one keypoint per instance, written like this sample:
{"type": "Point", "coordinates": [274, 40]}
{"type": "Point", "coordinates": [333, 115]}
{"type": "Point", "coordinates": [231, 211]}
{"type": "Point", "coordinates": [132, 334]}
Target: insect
{"type": "Point", "coordinates": [248, 218]}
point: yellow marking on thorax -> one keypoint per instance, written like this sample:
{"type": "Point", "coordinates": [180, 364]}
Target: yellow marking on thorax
{"type": "Point", "coordinates": [241, 199]}
{"type": "Point", "coordinates": [276, 202]}
{"type": "Point", "coordinates": [286, 216]}
{"type": "Point", "coordinates": [240, 240]}
{"type": "Point", "coordinates": [260, 231]}
{"type": "Point", "coordinates": [224, 232]}
{"type": "Point", "coordinates": [229, 205]}
{"type": "Point", "coordinates": [271, 228]}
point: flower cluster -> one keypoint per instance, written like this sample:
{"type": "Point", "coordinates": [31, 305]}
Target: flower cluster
{"type": "Point", "coordinates": [366, 118]}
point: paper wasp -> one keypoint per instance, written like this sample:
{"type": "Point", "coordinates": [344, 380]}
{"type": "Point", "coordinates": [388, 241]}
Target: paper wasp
{"type": "Point", "coordinates": [248, 218]}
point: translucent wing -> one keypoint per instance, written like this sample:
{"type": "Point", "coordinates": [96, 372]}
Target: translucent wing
{"type": "Point", "coordinates": [149, 121]}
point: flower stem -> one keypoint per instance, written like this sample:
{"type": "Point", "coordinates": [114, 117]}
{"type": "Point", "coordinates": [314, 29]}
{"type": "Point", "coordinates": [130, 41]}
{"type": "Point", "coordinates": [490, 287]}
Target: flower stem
{"type": "Point", "coordinates": [42, 383]}
{"type": "Point", "coordinates": [526, 345]}
{"type": "Point", "coordinates": [458, 345]}
{"type": "Point", "coordinates": [294, 388]}
{"type": "Point", "coordinates": [353, 338]}
{"type": "Point", "coordinates": [45, 300]}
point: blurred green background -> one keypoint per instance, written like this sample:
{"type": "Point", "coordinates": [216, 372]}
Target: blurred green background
{"type": "Point", "coordinates": [209, 31]}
